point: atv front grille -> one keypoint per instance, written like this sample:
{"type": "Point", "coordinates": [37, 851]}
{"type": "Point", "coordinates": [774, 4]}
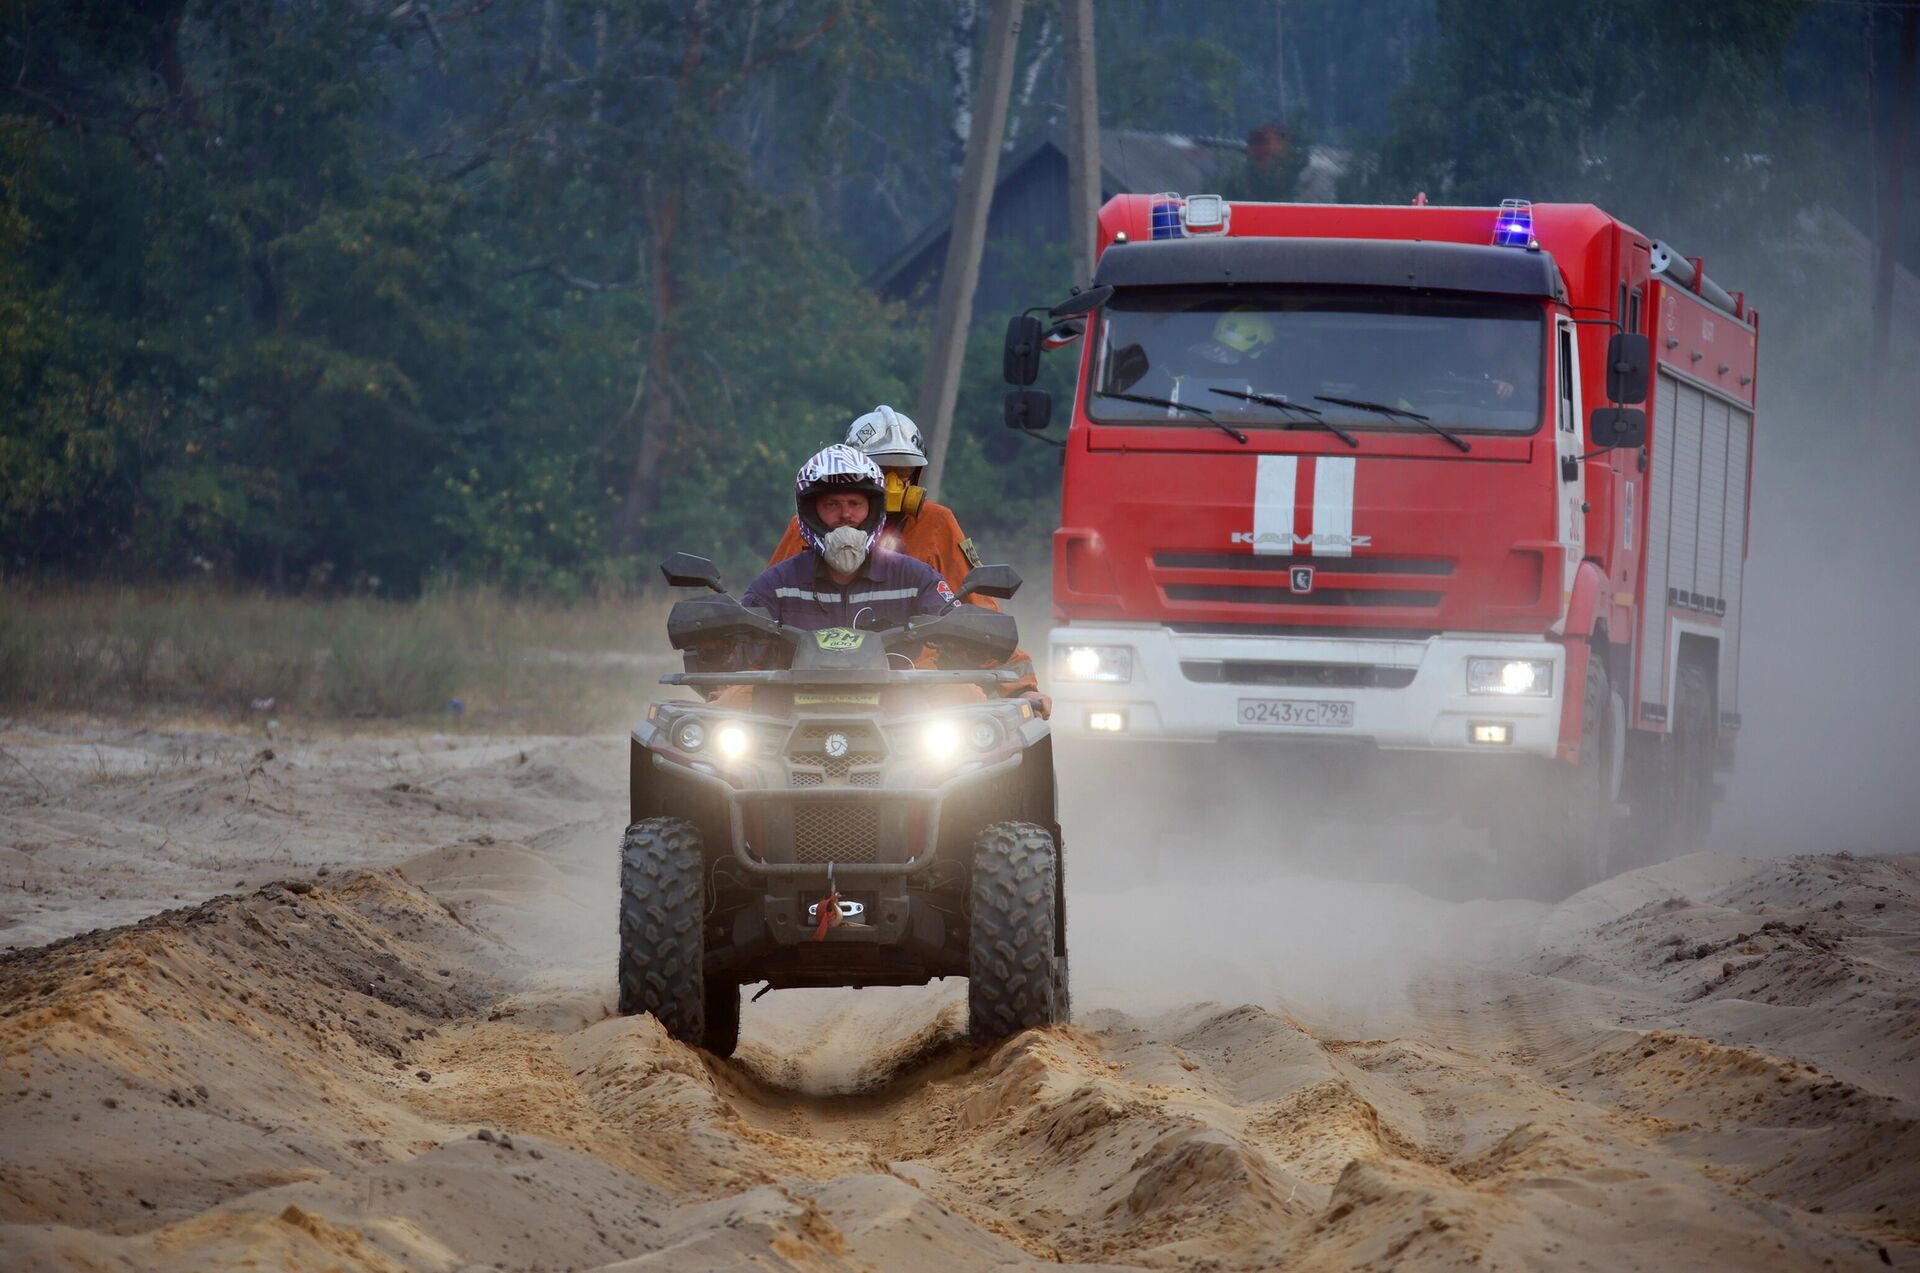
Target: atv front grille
{"type": "Point", "coordinates": [835, 831]}
{"type": "Point", "coordinates": [835, 771]}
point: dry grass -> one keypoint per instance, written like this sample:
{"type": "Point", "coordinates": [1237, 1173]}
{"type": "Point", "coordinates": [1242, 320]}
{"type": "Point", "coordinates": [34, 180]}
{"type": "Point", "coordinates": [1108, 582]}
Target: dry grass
{"type": "Point", "coordinates": [510, 663]}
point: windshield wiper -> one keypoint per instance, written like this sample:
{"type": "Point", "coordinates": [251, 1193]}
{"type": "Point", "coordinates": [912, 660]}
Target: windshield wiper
{"type": "Point", "coordinates": [1382, 408]}
{"type": "Point", "coordinates": [1307, 414]}
{"type": "Point", "coordinates": [1196, 408]}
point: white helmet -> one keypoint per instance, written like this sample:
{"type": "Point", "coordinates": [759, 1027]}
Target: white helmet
{"type": "Point", "coordinates": [838, 468]}
{"type": "Point", "coordinates": [890, 438]}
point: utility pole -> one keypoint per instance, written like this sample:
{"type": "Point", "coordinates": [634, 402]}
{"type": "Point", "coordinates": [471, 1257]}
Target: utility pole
{"type": "Point", "coordinates": [940, 389]}
{"type": "Point", "coordinates": [1892, 196]}
{"type": "Point", "coordinates": [1083, 136]}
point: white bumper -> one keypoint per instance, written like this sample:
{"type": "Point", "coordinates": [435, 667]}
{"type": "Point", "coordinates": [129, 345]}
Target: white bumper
{"type": "Point", "coordinates": [1431, 711]}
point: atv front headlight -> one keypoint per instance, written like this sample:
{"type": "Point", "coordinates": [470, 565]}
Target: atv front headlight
{"type": "Point", "coordinates": [941, 739]}
{"type": "Point", "coordinates": [690, 735]}
{"type": "Point", "coordinates": [732, 741]}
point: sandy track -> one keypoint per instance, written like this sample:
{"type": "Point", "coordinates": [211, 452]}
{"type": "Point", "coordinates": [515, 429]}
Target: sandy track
{"type": "Point", "coordinates": [1710, 1063]}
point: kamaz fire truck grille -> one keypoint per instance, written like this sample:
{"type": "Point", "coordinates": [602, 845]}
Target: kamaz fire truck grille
{"type": "Point", "coordinates": [1326, 565]}
{"type": "Point", "coordinates": [1402, 597]}
{"type": "Point", "coordinates": [833, 831]}
{"type": "Point", "coordinates": [1349, 676]}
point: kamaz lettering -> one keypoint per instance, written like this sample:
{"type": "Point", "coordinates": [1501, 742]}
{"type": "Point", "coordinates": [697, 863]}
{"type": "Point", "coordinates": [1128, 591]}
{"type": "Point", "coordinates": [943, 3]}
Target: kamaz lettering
{"type": "Point", "coordinates": [1319, 539]}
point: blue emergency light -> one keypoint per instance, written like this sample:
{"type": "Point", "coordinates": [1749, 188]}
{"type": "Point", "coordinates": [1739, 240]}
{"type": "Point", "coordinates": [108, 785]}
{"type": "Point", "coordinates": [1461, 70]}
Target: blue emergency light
{"type": "Point", "coordinates": [1513, 225]}
{"type": "Point", "coordinates": [1166, 210]}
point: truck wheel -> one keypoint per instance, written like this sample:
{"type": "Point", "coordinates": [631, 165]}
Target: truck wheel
{"type": "Point", "coordinates": [1592, 831]}
{"type": "Point", "coordinates": [661, 949]}
{"type": "Point", "coordinates": [1566, 836]}
{"type": "Point", "coordinates": [1690, 775]}
{"type": "Point", "coordinates": [1013, 979]}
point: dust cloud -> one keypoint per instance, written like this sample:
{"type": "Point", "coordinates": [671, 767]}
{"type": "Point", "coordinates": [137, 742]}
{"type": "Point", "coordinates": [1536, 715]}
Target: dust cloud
{"type": "Point", "coordinates": [1830, 688]}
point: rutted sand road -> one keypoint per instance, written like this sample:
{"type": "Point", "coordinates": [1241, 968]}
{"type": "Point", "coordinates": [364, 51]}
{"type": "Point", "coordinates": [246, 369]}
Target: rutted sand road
{"type": "Point", "coordinates": [1715, 1063]}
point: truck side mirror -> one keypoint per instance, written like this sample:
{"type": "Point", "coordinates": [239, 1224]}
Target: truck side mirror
{"type": "Point", "coordinates": [1020, 364]}
{"type": "Point", "coordinates": [1629, 359]}
{"type": "Point", "coordinates": [1623, 427]}
{"type": "Point", "coordinates": [1029, 409]}
{"type": "Point", "coordinates": [684, 570]}
{"type": "Point", "coordinates": [998, 582]}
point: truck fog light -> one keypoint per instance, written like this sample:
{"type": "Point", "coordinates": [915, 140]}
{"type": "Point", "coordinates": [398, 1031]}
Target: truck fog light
{"type": "Point", "coordinates": [732, 741]}
{"type": "Point", "coordinates": [1519, 678]}
{"type": "Point", "coordinates": [941, 739]}
{"type": "Point", "coordinates": [1490, 732]}
{"type": "Point", "coordinates": [1110, 663]}
{"type": "Point", "coordinates": [1107, 722]}
{"type": "Point", "coordinates": [691, 736]}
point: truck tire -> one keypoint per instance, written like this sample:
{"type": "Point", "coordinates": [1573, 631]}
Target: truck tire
{"type": "Point", "coordinates": [1565, 835]}
{"type": "Point", "coordinates": [1690, 773]}
{"type": "Point", "coordinates": [662, 955]}
{"type": "Point", "coordinates": [1013, 978]}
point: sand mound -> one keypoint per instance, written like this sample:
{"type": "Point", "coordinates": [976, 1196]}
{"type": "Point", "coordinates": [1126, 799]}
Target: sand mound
{"type": "Point", "coordinates": [1709, 1063]}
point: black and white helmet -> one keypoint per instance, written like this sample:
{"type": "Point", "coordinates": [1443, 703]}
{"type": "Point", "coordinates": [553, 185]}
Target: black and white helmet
{"type": "Point", "coordinates": [890, 438]}
{"type": "Point", "coordinates": [838, 468]}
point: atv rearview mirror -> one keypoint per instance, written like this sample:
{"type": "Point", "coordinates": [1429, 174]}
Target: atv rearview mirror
{"type": "Point", "coordinates": [998, 582]}
{"type": "Point", "coordinates": [1028, 409]}
{"type": "Point", "coordinates": [1081, 303]}
{"type": "Point", "coordinates": [684, 570]}
{"type": "Point", "coordinates": [1020, 362]}
{"type": "Point", "coordinates": [1623, 427]}
{"type": "Point", "coordinates": [1629, 359]}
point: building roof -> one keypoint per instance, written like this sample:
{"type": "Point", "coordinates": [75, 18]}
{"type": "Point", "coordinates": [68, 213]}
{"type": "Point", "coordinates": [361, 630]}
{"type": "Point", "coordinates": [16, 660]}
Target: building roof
{"type": "Point", "coordinates": [1130, 161]}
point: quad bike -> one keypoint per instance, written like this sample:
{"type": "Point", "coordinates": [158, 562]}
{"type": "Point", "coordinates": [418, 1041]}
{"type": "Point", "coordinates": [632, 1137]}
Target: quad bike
{"type": "Point", "coordinates": [847, 820]}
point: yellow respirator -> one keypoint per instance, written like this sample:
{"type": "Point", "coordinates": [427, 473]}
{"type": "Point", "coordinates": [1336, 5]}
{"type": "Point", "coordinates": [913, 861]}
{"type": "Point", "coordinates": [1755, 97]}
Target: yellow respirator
{"type": "Point", "coordinates": [903, 498]}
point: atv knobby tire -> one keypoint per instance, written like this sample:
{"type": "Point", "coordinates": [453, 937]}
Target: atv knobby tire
{"type": "Point", "coordinates": [1014, 982]}
{"type": "Point", "coordinates": [662, 960]}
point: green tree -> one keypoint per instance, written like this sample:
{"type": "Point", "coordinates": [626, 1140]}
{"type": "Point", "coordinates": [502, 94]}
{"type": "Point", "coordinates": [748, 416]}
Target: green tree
{"type": "Point", "coordinates": [1673, 117]}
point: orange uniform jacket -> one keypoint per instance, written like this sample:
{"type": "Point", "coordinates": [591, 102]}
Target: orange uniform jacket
{"type": "Point", "coordinates": [933, 535]}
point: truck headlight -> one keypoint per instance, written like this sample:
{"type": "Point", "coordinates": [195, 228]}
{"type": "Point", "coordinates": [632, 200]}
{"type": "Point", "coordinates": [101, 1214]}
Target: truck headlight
{"type": "Point", "coordinates": [1110, 663]}
{"type": "Point", "coordinates": [1514, 678]}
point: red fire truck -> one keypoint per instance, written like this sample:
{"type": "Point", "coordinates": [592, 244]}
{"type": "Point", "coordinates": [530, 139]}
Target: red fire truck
{"type": "Point", "coordinates": [1406, 499]}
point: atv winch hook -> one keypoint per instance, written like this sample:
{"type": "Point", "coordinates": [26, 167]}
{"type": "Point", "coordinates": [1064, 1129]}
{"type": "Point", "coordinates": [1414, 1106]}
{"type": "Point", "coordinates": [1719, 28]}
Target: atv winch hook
{"type": "Point", "coordinates": [829, 909]}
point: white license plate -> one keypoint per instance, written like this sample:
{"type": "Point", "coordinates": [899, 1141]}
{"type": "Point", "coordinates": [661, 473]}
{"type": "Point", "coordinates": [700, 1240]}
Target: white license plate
{"type": "Point", "coordinates": [1304, 713]}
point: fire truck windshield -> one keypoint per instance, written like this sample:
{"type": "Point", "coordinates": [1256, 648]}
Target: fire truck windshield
{"type": "Point", "coordinates": [1469, 363]}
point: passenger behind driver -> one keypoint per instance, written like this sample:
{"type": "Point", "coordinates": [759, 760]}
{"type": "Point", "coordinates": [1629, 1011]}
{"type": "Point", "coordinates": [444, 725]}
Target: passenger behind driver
{"type": "Point", "coordinates": [918, 527]}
